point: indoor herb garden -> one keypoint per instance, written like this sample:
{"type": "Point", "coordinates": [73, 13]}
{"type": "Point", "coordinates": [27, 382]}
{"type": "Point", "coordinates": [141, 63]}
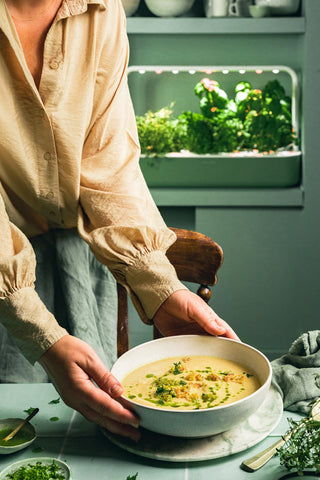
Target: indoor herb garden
{"type": "Point", "coordinates": [239, 133]}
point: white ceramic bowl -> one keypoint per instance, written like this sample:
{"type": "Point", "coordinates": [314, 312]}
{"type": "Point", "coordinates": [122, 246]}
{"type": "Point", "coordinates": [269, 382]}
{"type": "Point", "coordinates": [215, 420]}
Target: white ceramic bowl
{"type": "Point", "coordinates": [64, 468]}
{"type": "Point", "coordinates": [196, 423]}
{"type": "Point", "coordinates": [10, 424]}
{"type": "Point", "coordinates": [130, 6]}
{"type": "Point", "coordinates": [259, 11]}
{"type": "Point", "coordinates": [169, 8]}
{"type": "Point", "coordinates": [280, 7]}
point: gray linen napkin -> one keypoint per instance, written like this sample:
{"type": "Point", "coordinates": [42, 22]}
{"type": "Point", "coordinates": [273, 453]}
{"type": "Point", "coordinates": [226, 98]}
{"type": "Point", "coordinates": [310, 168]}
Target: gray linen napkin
{"type": "Point", "coordinates": [296, 375]}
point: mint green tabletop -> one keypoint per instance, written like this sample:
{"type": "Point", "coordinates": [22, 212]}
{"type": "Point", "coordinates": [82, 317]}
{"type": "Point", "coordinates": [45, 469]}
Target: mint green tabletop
{"type": "Point", "coordinates": [64, 434]}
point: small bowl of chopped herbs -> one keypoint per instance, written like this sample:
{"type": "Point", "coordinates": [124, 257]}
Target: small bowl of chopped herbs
{"type": "Point", "coordinates": [21, 440]}
{"type": "Point", "coordinates": [45, 468]}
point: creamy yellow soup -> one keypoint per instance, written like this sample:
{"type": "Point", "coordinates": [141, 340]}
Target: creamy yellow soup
{"type": "Point", "coordinates": [189, 383]}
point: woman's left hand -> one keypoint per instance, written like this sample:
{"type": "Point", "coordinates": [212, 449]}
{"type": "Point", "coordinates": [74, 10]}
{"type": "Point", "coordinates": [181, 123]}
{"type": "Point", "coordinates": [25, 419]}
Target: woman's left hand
{"type": "Point", "coordinates": [184, 312]}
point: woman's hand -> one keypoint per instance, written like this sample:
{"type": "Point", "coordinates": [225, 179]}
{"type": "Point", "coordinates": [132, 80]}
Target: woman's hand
{"type": "Point", "coordinates": [185, 312]}
{"type": "Point", "coordinates": [73, 367]}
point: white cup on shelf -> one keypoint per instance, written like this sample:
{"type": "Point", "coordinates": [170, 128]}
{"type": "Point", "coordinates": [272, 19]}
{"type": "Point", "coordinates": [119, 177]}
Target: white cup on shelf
{"type": "Point", "coordinates": [239, 8]}
{"type": "Point", "coordinates": [216, 8]}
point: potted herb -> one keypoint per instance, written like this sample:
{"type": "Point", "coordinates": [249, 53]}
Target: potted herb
{"type": "Point", "coordinates": [243, 136]}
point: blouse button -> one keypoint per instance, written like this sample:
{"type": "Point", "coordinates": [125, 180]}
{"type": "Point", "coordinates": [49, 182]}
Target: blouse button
{"type": "Point", "coordinates": [54, 65]}
{"type": "Point", "coordinates": [47, 156]}
{"type": "Point", "coordinates": [49, 195]}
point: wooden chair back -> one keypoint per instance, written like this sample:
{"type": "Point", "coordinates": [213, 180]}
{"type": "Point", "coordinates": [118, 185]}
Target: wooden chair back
{"type": "Point", "coordinates": [196, 259]}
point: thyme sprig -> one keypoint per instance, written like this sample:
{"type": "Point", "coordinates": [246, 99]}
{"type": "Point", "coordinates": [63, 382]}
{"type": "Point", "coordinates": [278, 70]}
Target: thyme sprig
{"type": "Point", "coordinates": [302, 450]}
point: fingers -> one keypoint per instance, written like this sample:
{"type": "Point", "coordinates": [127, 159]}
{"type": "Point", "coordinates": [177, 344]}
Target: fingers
{"type": "Point", "coordinates": [112, 416]}
{"type": "Point", "coordinates": [86, 385]}
{"type": "Point", "coordinates": [104, 378]}
{"type": "Point", "coordinates": [105, 406]}
{"type": "Point", "coordinates": [215, 325]}
{"type": "Point", "coordinates": [206, 317]}
{"type": "Point", "coordinates": [184, 312]}
{"type": "Point", "coordinates": [112, 426]}
{"type": "Point", "coordinates": [229, 332]}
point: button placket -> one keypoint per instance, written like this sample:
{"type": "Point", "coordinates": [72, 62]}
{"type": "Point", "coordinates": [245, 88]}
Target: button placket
{"type": "Point", "coordinates": [52, 70]}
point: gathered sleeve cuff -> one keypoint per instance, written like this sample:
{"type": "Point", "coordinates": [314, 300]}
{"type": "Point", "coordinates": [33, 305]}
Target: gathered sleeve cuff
{"type": "Point", "coordinates": [151, 280]}
{"type": "Point", "coordinates": [136, 257]}
{"type": "Point", "coordinates": [32, 326]}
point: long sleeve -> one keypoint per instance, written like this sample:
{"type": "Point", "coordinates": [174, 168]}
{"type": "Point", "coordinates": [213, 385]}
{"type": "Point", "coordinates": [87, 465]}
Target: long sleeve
{"type": "Point", "coordinates": [22, 312]}
{"type": "Point", "coordinates": [117, 215]}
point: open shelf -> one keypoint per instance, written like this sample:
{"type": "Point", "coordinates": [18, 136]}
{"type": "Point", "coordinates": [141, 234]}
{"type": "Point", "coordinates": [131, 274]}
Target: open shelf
{"type": "Point", "coordinates": [212, 26]}
{"type": "Point", "coordinates": [224, 197]}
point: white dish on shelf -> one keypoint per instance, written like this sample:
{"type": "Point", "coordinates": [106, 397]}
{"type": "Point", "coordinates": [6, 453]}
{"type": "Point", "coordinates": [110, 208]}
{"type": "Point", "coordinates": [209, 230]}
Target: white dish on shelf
{"type": "Point", "coordinates": [169, 8]}
{"type": "Point", "coordinates": [259, 11]}
{"type": "Point", "coordinates": [280, 7]}
{"type": "Point", "coordinates": [130, 6]}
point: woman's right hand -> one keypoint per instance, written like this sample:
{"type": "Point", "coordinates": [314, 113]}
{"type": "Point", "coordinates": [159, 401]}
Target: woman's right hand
{"type": "Point", "coordinates": [73, 366]}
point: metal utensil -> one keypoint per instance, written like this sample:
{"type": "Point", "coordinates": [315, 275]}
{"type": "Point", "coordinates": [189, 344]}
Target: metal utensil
{"type": "Point", "coordinates": [18, 428]}
{"type": "Point", "coordinates": [257, 461]}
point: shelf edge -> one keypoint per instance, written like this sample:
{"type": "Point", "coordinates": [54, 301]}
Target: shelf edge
{"type": "Point", "coordinates": [189, 25]}
{"type": "Point", "coordinates": [224, 197]}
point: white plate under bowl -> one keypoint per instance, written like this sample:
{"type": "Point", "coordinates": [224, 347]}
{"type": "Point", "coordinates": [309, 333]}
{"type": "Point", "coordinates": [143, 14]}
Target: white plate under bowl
{"type": "Point", "coordinates": [240, 438]}
{"type": "Point", "coordinates": [31, 461]}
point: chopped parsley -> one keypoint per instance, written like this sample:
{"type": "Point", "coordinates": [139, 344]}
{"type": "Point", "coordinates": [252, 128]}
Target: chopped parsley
{"type": "Point", "coordinates": [37, 471]}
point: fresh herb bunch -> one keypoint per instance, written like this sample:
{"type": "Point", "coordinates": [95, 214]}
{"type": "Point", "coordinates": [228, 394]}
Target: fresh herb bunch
{"type": "Point", "coordinates": [160, 133]}
{"type": "Point", "coordinates": [254, 119]}
{"type": "Point", "coordinates": [302, 450]}
{"type": "Point", "coordinates": [38, 471]}
{"type": "Point", "coordinates": [266, 116]}
{"type": "Point", "coordinates": [199, 132]}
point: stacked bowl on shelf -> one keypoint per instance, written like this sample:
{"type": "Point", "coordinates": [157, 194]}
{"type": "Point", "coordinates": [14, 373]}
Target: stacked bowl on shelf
{"type": "Point", "coordinates": [216, 8]}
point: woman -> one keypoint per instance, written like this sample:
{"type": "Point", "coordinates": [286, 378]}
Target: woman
{"type": "Point", "coordinates": [69, 171]}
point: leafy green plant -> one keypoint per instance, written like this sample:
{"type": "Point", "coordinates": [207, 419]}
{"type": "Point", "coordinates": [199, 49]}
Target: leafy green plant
{"type": "Point", "coordinates": [159, 133]}
{"type": "Point", "coordinates": [198, 130]}
{"type": "Point", "coordinates": [266, 116]}
{"type": "Point", "coordinates": [212, 98]}
{"type": "Point", "coordinates": [254, 119]}
{"type": "Point", "coordinates": [210, 135]}
{"type": "Point", "coordinates": [302, 450]}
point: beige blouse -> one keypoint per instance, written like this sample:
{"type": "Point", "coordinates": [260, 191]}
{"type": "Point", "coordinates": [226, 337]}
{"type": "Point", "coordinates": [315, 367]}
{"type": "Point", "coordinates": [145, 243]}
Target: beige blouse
{"type": "Point", "coordinates": [69, 156]}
